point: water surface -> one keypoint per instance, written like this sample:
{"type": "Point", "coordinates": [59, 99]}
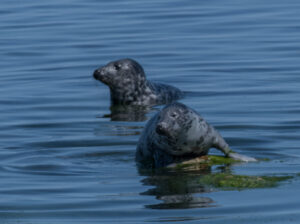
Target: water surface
{"type": "Point", "coordinates": [63, 159]}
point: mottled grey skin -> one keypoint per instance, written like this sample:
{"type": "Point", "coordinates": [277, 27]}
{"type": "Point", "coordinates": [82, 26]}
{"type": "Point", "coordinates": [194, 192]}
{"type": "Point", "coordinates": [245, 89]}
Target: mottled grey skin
{"type": "Point", "coordinates": [128, 85]}
{"type": "Point", "coordinates": [178, 133]}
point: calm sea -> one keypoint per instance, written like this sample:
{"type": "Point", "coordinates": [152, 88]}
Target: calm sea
{"type": "Point", "coordinates": [65, 159]}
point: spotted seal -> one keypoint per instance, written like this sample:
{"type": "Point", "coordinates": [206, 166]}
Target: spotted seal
{"type": "Point", "coordinates": [128, 85]}
{"type": "Point", "coordinates": [178, 133]}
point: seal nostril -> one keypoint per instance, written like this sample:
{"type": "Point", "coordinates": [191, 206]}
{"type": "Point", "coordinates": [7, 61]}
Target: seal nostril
{"type": "Point", "coordinates": [161, 129]}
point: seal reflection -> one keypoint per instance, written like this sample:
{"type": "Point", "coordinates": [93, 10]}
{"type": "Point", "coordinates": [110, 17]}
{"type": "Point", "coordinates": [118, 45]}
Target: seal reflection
{"type": "Point", "coordinates": [177, 189]}
{"type": "Point", "coordinates": [128, 113]}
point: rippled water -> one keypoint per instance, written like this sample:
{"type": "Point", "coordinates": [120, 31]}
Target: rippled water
{"type": "Point", "coordinates": [63, 157]}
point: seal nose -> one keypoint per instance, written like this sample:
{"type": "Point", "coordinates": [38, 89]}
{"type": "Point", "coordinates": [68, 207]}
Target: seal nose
{"type": "Point", "coordinates": [97, 74]}
{"type": "Point", "coordinates": [161, 128]}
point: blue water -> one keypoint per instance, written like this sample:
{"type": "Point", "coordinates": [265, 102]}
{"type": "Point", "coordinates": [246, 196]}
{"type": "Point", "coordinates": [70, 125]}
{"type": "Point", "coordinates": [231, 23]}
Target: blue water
{"type": "Point", "coordinates": [63, 159]}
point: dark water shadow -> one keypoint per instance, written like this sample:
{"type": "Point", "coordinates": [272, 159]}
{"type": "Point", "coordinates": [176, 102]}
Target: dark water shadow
{"type": "Point", "coordinates": [176, 189]}
{"type": "Point", "coordinates": [128, 113]}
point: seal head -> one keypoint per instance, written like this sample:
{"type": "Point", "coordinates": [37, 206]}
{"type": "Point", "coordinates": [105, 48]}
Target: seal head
{"type": "Point", "coordinates": [181, 131]}
{"type": "Point", "coordinates": [125, 78]}
{"type": "Point", "coordinates": [119, 73]}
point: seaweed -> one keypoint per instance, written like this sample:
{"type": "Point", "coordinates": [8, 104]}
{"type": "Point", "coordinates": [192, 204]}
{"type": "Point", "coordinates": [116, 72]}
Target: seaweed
{"type": "Point", "coordinates": [228, 181]}
{"type": "Point", "coordinates": [208, 160]}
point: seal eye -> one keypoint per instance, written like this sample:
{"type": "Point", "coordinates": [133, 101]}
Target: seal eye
{"type": "Point", "coordinates": [117, 67]}
{"type": "Point", "coordinates": [174, 115]}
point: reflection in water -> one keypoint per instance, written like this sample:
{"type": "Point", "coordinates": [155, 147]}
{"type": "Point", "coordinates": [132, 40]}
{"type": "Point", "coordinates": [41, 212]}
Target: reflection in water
{"type": "Point", "coordinates": [182, 201]}
{"type": "Point", "coordinates": [125, 130]}
{"type": "Point", "coordinates": [177, 189]}
{"type": "Point", "coordinates": [128, 113]}
{"type": "Point", "coordinates": [180, 188]}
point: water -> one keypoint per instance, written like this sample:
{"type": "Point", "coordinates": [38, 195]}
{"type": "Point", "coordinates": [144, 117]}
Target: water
{"type": "Point", "coordinates": [64, 160]}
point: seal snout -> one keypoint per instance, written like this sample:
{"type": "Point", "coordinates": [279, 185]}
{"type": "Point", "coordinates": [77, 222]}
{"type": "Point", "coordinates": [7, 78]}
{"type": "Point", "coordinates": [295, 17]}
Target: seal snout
{"type": "Point", "coordinates": [101, 75]}
{"type": "Point", "coordinates": [162, 128]}
{"type": "Point", "coordinates": [97, 74]}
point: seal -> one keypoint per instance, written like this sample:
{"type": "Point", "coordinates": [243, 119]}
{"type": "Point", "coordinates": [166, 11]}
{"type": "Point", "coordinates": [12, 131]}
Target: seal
{"type": "Point", "coordinates": [128, 85]}
{"type": "Point", "coordinates": [178, 133]}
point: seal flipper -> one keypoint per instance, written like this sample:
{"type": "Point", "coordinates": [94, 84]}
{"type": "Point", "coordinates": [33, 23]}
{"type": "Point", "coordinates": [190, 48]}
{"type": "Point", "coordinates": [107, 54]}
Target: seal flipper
{"type": "Point", "coordinates": [221, 144]}
{"type": "Point", "coordinates": [237, 156]}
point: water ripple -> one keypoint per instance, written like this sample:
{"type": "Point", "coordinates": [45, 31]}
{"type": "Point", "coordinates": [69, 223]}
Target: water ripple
{"type": "Point", "coordinates": [67, 157]}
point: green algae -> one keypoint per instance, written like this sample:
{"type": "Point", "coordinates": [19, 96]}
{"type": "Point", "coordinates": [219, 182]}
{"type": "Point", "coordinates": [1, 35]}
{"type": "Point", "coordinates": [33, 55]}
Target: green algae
{"type": "Point", "coordinates": [208, 160]}
{"type": "Point", "coordinates": [220, 160]}
{"type": "Point", "coordinates": [227, 181]}
{"type": "Point", "coordinates": [204, 161]}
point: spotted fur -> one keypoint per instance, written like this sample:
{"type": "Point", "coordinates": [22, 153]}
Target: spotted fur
{"type": "Point", "coordinates": [175, 134]}
{"type": "Point", "coordinates": [128, 85]}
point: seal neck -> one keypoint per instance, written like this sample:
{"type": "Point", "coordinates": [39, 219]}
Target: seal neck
{"type": "Point", "coordinates": [137, 94]}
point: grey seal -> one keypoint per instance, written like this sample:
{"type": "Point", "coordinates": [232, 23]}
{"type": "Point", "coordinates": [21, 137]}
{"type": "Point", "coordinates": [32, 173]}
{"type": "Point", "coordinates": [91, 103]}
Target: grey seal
{"type": "Point", "coordinates": [128, 85]}
{"type": "Point", "coordinates": [178, 133]}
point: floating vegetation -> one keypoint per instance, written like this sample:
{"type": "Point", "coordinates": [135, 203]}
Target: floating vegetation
{"type": "Point", "coordinates": [204, 161]}
{"type": "Point", "coordinates": [227, 181]}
